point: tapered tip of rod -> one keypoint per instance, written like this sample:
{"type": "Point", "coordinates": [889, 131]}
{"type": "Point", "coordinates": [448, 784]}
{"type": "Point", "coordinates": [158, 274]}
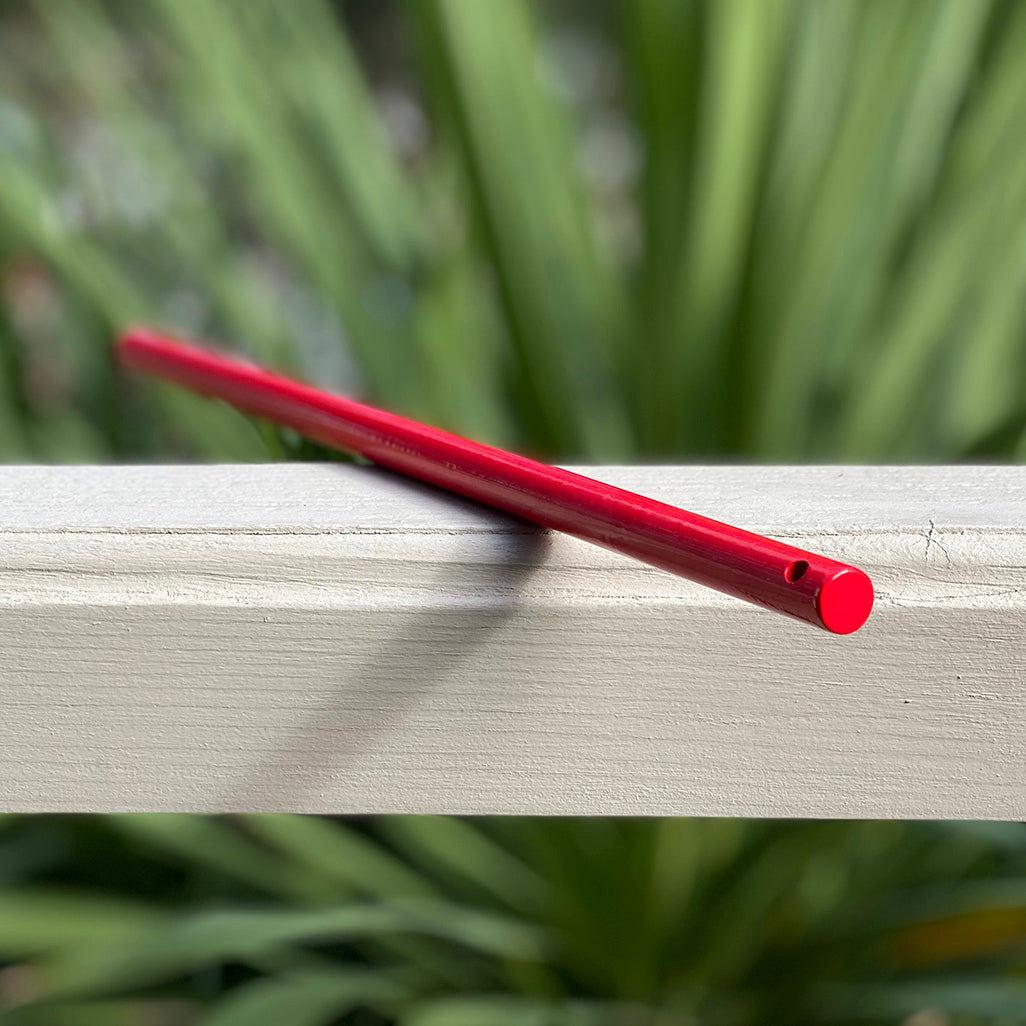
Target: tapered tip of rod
{"type": "Point", "coordinates": [130, 341]}
{"type": "Point", "coordinates": [845, 601]}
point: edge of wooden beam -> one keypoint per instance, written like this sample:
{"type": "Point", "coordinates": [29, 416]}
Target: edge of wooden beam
{"type": "Point", "coordinates": [329, 638]}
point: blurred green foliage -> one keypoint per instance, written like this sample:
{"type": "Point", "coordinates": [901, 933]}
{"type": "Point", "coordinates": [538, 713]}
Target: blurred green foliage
{"type": "Point", "coordinates": [762, 229]}
{"type": "Point", "coordinates": [269, 919]}
{"type": "Point", "coordinates": [773, 229]}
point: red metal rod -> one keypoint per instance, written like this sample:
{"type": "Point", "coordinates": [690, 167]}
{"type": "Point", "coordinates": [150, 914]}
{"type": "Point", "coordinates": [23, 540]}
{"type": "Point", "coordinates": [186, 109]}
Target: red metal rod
{"type": "Point", "coordinates": [801, 584]}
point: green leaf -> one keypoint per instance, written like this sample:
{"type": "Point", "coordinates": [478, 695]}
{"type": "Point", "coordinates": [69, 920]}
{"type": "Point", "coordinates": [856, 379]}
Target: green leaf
{"type": "Point", "coordinates": [742, 50]}
{"type": "Point", "coordinates": [565, 306]}
{"type": "Point", "coordinates": [909, 70]}
{"type": "Point", "coordinates": [305, 999]}
{"type": "Point", "coordinates": [461, 851]}
{"type": "Point", "coordinates": [98, 1013]}
{"type": "Point", "coordinates": [663, 57]}
{"type": "Point", "coordinates": [320, 73]}
{"type": "Point", "coordinates": [98, 59]}
{"type": "Point", "coordinates": [979, 997]}
{"type": "Point", "coordinates": [230, 58]}
{"type": "Point", "coordinates": [189, 942]}
{"type": "Point", "coordinates": [499, 1010]}
{"type": "Point", "coordinates": [217, 844]}
{"type": "Point", "coordinates": [35, 921]}
{"type": "Point", "coordinates": [337, 852]}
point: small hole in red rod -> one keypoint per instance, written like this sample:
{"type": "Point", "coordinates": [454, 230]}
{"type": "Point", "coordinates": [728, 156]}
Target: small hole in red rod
{"type": "Point", "coordinates": [796, 571]}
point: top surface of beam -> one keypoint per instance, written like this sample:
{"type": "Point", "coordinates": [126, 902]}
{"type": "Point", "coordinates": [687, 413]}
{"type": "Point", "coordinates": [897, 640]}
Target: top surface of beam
{"type": "Point", "coordinates": [308, 497]}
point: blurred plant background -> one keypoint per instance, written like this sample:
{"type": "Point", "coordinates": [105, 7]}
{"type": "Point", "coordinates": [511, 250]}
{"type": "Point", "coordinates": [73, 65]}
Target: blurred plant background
{"type": "Point", "coordinates": [647, 230]}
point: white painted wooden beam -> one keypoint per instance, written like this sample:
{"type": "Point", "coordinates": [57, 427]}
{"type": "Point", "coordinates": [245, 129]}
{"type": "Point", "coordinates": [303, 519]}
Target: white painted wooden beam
{"type": "Point", "coordinates": [322, 638]}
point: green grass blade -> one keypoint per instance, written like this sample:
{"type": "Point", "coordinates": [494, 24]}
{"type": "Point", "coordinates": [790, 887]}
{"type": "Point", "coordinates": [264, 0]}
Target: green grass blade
{"type": "Point", "coordinates": [565, 306]}
{"type": "Point", "coordinates": [662, 56]}
{"type": "Point", "coordinates": [215, 843]}
{"type": "Point", "coordinates": [37, 921]}
{"type": "Point", "coordinates": [98, 60]}
{"type": "Point", "coordinates": [229, 58]}
{"type": "Point", "coordinates": [911, 63]}
{"type": "Point", "coordinates": [813, 93]}
{"type": "Point", "coordinates": [978, 211]}
{"type": "Point", "coordinates": [321, 75]}
{"type": "Point", "coordinates": [970, 1001]}
{"type": "Point", "coordinates": [305, 999]}
{"type": "Point", "coordinates": [501, 1010]}
{"type": "Point", "coordinates": [187, 943]}
{"type": "Point", "coordinates": [338, 852]}
{"type": "Point", "coordinates": [743, 49]}
{"type": "Point", "coordinates": [465, 855]}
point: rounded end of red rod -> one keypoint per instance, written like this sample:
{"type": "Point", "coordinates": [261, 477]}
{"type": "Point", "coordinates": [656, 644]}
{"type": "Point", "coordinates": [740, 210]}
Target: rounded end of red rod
{"type": "Point", "coordinates": [845, 601]}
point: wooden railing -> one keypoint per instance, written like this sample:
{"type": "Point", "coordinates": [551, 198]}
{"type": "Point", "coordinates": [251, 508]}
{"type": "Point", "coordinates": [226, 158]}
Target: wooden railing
{"type": "Point", "coordinates": [329, 638]}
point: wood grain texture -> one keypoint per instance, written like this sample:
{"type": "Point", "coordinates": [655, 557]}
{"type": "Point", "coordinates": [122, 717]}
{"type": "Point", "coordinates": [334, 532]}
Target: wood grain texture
{"type": "Point", "coordinates": [326, 638]}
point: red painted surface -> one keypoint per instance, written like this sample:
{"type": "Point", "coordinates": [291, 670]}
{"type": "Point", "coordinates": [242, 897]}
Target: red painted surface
{"type": "Point", "coordinates": [801, 584]}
